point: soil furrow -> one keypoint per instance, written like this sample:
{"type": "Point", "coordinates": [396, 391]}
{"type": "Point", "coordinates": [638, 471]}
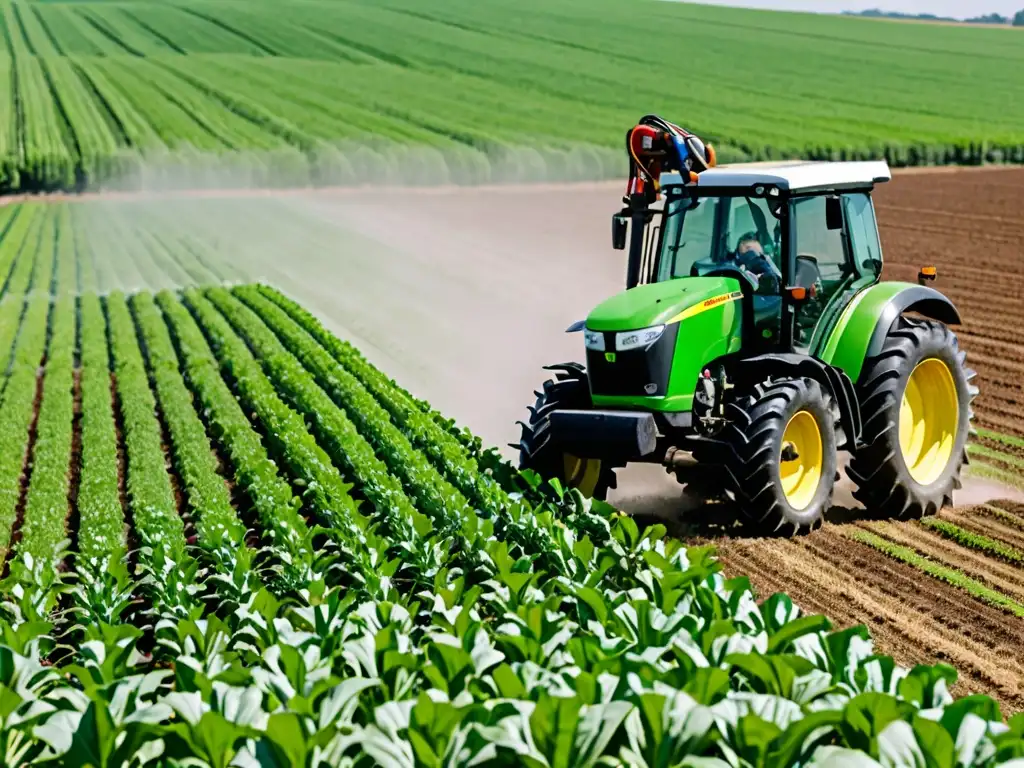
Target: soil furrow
{"type": "Point", "coordinates": [986, 568]}
{"type": "Point", "coordinates": [911, 637]}
{"type": "Point", "coordinates": [981, 521]}
{"type": "Point", "coordinates": [920, 592]}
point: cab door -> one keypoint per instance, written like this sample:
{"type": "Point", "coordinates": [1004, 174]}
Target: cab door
{"type": "Point", "coordinates": [834, 253]}
{"type": "Point", "coordinates": [863, 250]}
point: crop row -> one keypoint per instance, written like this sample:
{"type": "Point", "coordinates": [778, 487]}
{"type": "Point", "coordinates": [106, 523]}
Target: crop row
{"type": "Point", "coordinates": [938, 570]}
{"type": "Point", "coordinates": [101, 534]}
{"type": "Point", "coordinates": [219, 533]}
{"type": "Point", "coordinates": [285, 533]}
{"type": "Point", "coordinates": [16, 412]}
{"type": "Point", "coordinates": [974, 540]}
{"type": "Point", "coordinates": [546, 632]}
{"type": "Point", "coordinates": [157, 526]}
{"type": "Point", "coordinates": [43, 529]}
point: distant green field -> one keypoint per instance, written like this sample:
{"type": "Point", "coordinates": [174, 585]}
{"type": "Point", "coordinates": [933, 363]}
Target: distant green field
{"type": "Point", "coordinates": [328, 91]}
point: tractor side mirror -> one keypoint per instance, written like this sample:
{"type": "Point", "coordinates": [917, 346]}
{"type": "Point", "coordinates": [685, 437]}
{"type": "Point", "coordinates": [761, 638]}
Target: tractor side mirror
{"type": "Point", "coordinates": [619, 232]}
{"type": "Point", "coordinates": [833, 213]}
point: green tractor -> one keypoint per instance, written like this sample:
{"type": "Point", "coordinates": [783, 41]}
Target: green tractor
{"type": "Point", "coordinates": [755, 340]}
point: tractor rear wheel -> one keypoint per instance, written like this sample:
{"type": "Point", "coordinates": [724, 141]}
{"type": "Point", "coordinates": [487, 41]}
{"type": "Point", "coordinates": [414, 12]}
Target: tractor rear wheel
{"type": "Point", "coordinates": [781, 454]}
{"type": "Point", "coordinates": [915, 397]}
{"type": "Point", "coordinates": [568, 390]}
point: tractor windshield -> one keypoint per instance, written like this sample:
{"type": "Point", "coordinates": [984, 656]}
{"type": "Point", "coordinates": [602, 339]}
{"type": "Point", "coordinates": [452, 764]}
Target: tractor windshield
{"type": "Point", "coordinates": [700, 234]}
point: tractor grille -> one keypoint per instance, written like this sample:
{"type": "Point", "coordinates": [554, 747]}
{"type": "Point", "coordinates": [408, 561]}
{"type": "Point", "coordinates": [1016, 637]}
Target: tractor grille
{"type": "Point", "coordinates": [638, 372]}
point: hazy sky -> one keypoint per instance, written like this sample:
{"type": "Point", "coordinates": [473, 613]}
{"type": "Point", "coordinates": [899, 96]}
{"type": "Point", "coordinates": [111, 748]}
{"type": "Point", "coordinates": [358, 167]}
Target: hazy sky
{"type": "Point", "coordinates": [954, 8]}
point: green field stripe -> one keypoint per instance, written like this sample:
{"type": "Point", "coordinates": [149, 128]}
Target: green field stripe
{"type": "Point", "coordinates": [937, 571]}
{"type": "Point", "coordinates": [973, 540]}
{"type": "Point", "coordinates": [276, 506]}
{"type": "Point", "coordinates": [19, 274]}
{"type": "Point", "coordinates": [999, 437]}
{"type": "Point", "coordinates": [989, 453]}
{"type": "Point", "coordinates": [16, 412]}
{"type": "Point", "coordinates": [220, 534]}
{"type": "Point", "coordinates": [987, 471]}
{"type": "Point", "coordinates": [44, 526]}
{"type": "Point", "coordinates": [1002, 515]}
{"type": "Point", "coordinates": [101, 527]}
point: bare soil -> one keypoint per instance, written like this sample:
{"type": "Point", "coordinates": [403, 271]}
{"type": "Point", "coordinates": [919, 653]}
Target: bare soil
{"type": "Point", "coordinates": [75, 471]}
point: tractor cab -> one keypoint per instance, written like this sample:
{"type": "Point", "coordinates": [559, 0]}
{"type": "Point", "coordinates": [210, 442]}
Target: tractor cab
{"type": "Point", "coordinates": [800, 238]}
{"type": "Point", "coordinates": [753, 341]}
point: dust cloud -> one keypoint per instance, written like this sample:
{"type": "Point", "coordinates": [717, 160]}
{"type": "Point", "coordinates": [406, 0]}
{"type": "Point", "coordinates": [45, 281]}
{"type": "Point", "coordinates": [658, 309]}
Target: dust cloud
{"type": "Point", "coordinates": [345, 165]}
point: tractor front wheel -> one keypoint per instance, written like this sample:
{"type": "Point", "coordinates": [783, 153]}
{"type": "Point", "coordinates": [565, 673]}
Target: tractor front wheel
{"type": "Point", "coordinates": [781, 454]}
{"type": "Point", "coordinates": [568, 390]}
{"type": "Point", "coordinates": [916, 403]}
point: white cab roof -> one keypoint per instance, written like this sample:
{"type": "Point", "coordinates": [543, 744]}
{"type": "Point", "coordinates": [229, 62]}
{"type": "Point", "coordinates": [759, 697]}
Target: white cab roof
{"type": "Point", "coordinates": [792, 176]}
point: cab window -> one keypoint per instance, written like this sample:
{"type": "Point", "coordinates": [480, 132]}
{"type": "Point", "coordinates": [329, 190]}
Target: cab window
{"type": "Point", "coordinates": [702, 234]}
{"type": "Point", "coordinates": [864, 241]}
{"type": "Point", "coordinates": [820, 263]}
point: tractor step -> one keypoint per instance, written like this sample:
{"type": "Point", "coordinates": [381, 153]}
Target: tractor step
{"type": "Point", "coordinates": [621, 435]}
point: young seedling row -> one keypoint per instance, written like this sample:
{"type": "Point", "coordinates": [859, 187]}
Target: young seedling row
{"type": "Point", "coordinates": [229, 537]}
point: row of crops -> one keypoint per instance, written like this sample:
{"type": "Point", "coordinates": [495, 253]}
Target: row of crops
{"type": "Point", "coordinates": [194, 93]}
{"type": "Point", "coordinates": [228, 538]}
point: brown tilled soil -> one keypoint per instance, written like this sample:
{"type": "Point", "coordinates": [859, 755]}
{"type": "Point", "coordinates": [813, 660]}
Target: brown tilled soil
{"type": "Point", "coordinates": [969, 225]}
{"type": "Point", "coordinates": [75, 471]}
{"type": "Point", "coordinates": [912, 616]}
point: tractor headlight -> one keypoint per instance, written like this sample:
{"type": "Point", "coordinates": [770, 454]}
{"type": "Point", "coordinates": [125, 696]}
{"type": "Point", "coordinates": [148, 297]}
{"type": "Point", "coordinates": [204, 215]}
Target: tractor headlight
{"type": "Point", "coordinates": [593, 340]}
{"type": "Point", "coordinates": [643, 338]}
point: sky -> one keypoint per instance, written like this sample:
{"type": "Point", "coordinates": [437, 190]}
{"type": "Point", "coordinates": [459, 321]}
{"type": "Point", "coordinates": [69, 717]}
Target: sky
{"type": "Point", "coordinates": [956, 9]}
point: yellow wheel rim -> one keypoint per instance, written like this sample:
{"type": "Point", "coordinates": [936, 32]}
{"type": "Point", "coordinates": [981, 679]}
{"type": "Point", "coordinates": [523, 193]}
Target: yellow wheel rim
{"type": "Point", "coordinates": [928, 420]}
{"type": "Point", "coordinates": [582, 474]}
{"type": "Point", "coordinates": [801, 476]}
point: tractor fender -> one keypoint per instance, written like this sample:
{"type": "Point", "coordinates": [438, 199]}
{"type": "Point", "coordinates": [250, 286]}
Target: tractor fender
{"type": "Point", "coordinates": [917, 298]}
{"type": "Point", "coordinates": [862, 327]}
{"type": "Point", "coordinates": [755, 370]}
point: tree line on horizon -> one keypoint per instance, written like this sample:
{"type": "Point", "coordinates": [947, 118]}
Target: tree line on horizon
{"type": "Point", "coordinates": [1017, 20]}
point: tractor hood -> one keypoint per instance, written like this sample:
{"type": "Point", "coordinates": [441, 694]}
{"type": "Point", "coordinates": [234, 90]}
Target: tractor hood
{"type": "Point", "coordinates": [662, 303]}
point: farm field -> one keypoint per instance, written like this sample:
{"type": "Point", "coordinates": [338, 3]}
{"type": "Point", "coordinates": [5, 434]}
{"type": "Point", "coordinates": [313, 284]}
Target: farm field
{"type": "Point", "coordinates": [292, 553]}
{"type": "Point", "coordinates": [201, 93]}
{"type": "Point", "coordinates": [267, 552]}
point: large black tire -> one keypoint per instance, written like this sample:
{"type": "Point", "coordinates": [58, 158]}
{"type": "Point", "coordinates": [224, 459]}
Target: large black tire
{"type": "Point", "coordinates": [568, 390]}
{"type": "Point", "coordinates": [891, 480]}
{"type": "Point", "coordinates": [776, 492]}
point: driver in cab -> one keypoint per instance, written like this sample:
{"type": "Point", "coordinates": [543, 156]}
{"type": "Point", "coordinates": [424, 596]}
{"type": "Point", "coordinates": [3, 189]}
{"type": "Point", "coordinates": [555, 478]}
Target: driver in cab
{"type": "Point", "coordinates": [751, 258]}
